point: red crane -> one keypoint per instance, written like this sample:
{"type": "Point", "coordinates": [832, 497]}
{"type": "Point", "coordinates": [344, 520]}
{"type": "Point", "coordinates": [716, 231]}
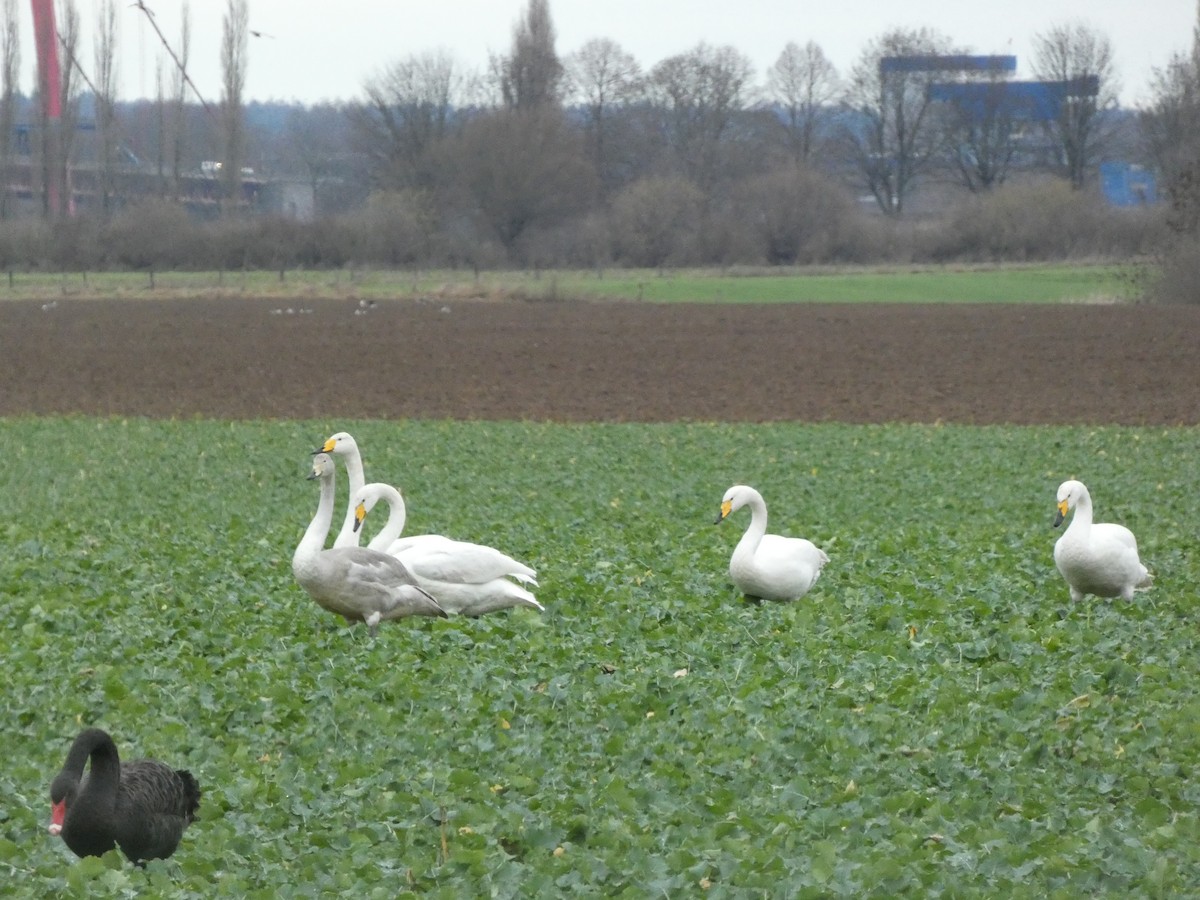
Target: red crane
{"type": "Point", "coordinates": [45, 33]}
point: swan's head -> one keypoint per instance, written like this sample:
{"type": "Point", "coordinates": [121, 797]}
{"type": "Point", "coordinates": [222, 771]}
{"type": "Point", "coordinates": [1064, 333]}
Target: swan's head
{"type": "Point", "coordinates": [62, 789]}
{"type": "Point", "coordinates": [340, 444]}
{"type": "Point", "coordinates": [364, 501]}
{"type": "Point", "coordinates": [322, 467]}
{"type": "Point", "coordinates": [368, 495]}
{"type": "Point", "coordinates": [361, 507]}
{"type": "Point", "coordinates": [735, 498]}
{"type": "Point", "coordinates": [1069, 494]}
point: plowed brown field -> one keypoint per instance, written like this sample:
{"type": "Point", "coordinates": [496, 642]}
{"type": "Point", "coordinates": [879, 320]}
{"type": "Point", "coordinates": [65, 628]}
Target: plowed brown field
{"type": "Point", "coordinates": [603, 361]}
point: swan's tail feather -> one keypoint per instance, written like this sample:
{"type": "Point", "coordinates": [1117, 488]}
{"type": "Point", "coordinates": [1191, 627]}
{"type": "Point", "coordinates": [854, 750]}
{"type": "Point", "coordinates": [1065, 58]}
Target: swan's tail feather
{"type": "Point", "coordinates": [526, 598]}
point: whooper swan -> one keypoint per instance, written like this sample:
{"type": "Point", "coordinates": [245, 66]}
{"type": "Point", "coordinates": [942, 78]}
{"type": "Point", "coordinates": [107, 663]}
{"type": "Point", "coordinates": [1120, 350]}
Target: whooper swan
{"type": "Point", "coordinates": [1095, 558]}
{"type": "Point", "coordinates": [768, 566]}
{"type": "Point", "coordinates": [467, 578]}
{"type": "Point", "coordinates": [356, 583]}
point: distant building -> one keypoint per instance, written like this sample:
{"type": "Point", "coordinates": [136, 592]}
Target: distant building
{"type": "Point", "coordinates": [1127, 184]}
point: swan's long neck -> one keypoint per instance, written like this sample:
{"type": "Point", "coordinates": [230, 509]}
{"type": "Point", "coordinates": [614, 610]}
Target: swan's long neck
{"type": "Point", "coordinates": [348, 537]}
{"type": "Point", "coordinates": [105, 775]}
{"type": "Point", "coordinates": [318, 529]}
{"type": "Point", "coordinates": [756, 529]}
{"type": "Point", "coordinates": [1081, 521]}
{"type": "Point", "coordinates": [100, 790]}
{"type": "Point", "coordinates": [397, 514]}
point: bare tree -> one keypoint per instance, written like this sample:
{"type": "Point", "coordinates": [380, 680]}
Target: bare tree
{"type": "Point", "coordinates": [1171, 123]}
{"type": "Point", "coordinates": [315, 142]}
{"type": "Point", "coordinates": [601, 76]}
{"type": "Point", "coordinates": [984, 122]}
{"type": "Point", "coordinates": [698, 95]}
{"type": "Point", "coordinates": [1171, 126]}
{"type": "Point", "coordinates": [68, 38]}
{"type": "Point", "coordinates": [521, 171]}
{"type": "Point", "coordinates": [531, 75]}
{"type": "Point", "coordinates": [177, 122]}
{"type": "Point", "coordinates": [894, 136]}
{"type": "Point", "coordinates": [656, 221]}
{"type": "Point", "coordinates": [161, 122]}
{"type": "Point", "coordinates": [409, 110]}
{"type": "Point", "coordinates": [234, 44]}
{"type": "Point", "coordinates": [1081, 58]}
{"type": "Point", "coordinates": [10, 67]}
{"type": "Point", "coordinates": [105, 100]}
{"type": "Point", "coordinates": [803, 83]}
{"type": "Point", "coordinates": [794, 215]}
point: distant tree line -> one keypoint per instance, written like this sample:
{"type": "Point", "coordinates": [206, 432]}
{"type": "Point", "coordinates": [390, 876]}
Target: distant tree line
{"type": "Point", "coordinates": [589, 160]}
{"type": "Point", "coordinates": [1172, 128]}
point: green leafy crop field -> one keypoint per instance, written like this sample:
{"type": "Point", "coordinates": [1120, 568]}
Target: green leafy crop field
{"type": "Point", "coordinates": [936, 718]}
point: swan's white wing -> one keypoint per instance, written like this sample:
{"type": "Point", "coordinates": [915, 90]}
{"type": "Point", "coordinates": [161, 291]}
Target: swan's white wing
{"type": "Point", "coordinates": [462, 562]}
{"type": "Point", "coordinates": [356, 582]}
{"type": "Point", "coordinates": [408, 542]}
{"type": "Point", "coordinates": [1103, 562]}
{"type": "Point", "coordinates": [478, 599]}
{"type": "Point", "coordinates": [780, 568]}
{"type": "Point", "coordinates": [784, 555]}
{"type": "Point", "coordinates": [1107, 534]}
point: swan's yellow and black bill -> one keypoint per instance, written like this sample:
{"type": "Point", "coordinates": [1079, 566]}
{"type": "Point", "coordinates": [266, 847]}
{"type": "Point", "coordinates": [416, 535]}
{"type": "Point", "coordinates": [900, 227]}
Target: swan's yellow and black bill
{"type": "Point", "coordinates": [360, 513]}
{"type": "Point", "coordinates": [1061, 513]}
{"type": "Point", "coordinates": [326, 447]}
{"type": "Point", "coordinates": [726, 509]}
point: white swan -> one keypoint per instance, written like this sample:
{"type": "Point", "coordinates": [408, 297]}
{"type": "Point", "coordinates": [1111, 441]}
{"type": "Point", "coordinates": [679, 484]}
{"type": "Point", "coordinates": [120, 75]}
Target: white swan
{"type": "Point", "coordinates": [467, 578]}
{"type": "Point", "coordinates": [344, 446]}
{"type": "Point", "coordinates": [475, 561]}
{"type": "Point", "coordinates": [356, 583]}
{"type": "Point", "coordinates": [1099, 559]}
{"type": "Point", "coordinates": [769, 566]}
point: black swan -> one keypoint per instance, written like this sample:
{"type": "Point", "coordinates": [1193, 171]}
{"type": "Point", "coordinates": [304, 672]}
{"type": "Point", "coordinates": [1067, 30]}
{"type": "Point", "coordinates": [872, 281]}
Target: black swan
{"type": "Point", "coordinates": [142, 806]}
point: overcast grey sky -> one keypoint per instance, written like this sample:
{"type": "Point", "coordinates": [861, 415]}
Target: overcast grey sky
{"type": "Point", "coordinates": [314, 50]}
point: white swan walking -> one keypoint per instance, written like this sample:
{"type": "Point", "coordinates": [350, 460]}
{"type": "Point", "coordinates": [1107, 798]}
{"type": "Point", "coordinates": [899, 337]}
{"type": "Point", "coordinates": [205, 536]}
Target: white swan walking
{"type": "Point", "coordinates": [356, 583]}
{"type": "Point", "coordinates": [467, 578]}
{"type": "Point", "coordinates": [1095, 558]}
{"type": "Point", "coordinates": [769, 566]}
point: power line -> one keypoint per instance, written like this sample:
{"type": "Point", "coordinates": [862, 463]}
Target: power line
{"type": "Point", "coordinates": [140, 4]}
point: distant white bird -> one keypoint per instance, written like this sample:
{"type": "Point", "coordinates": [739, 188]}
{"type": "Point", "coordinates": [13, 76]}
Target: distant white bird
{"type": "Point", "coordinates": [1099, 559]}
{"type": "Point", "coordinates": [769, 566]}
{"type": "Point", "coordinates": [467, 578]}
{"type": "Point", "coordinates": [356, 583]}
